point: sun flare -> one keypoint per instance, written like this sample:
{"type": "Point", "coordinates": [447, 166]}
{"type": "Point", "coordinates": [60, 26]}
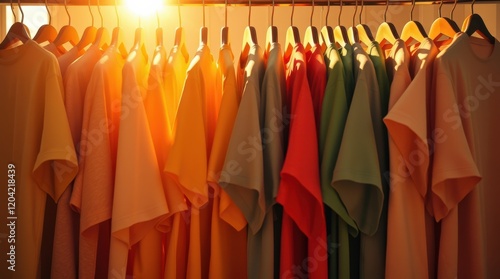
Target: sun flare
{"type": "Point", "coordinates": [144, 8]}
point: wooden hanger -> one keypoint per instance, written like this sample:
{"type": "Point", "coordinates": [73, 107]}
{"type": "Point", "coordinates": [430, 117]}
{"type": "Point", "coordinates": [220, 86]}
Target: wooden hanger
{"type": "Point", "coordinates": [249, 37]}
{"type": "Point", "coordinates": [386, 32]}
{"type": "Point", "coordinates": [179, 38]}
{"type": "Point", "coordinates": [67, 34]}
{"type": "Point", "coordinates": [353, 31]}
{"type": "Point", "coordinates": [18, 32]}
{"type": "Point", "coordinates": [88, 35]}
{"type": "Point", "coordinates": [340, 32]}
{"type": "Point", "coordinates": [475, 24]}
{"type": "Point", "coordinates": [364, 32]}
{"type": "Point", "coordinates": [224, 32]}
{"type": "Point", "coordinates": [139, 41]}
{"type": "Point", "coordinates": [292, 37]}
{"type": "Point", "coordinates": [443, 26]}
{"type": "Point", "coordinates": [311, 34]}
{"type": "Point", "coordinates": [326, 34]}
{"type": "Point", "coordinates": [117, 36]}
{"type": "Point", "coordinates": [413, 30]}
{"type": "Point", "coordinates": [102, 35]}
{"type": "Point", "coordinates": [46, 32]}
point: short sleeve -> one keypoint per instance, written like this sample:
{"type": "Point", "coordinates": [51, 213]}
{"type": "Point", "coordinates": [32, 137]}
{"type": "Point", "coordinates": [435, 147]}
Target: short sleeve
{"type": "Point", "coordinates": [454, 172]}
{"type": "Point", "coordinates": [56, 164]}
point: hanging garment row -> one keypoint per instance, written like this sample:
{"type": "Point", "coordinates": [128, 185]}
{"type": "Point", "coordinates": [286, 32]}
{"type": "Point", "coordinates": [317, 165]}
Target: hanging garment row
{"type": "Point", "coordinates": [338, 155]}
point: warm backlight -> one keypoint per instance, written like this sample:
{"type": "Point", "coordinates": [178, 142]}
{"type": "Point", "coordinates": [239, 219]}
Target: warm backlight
{"type": "Point", "coordinates": [144, 8]}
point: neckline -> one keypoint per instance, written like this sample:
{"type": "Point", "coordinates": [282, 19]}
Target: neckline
{"type": "Point", "coordinates": [10, 55]}
{"type": "Point", "coordinates": [468, 40]}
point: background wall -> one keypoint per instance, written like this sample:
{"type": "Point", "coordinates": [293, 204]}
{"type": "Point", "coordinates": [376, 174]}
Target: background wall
{"type": "Point", "coordinates": [237, 20]}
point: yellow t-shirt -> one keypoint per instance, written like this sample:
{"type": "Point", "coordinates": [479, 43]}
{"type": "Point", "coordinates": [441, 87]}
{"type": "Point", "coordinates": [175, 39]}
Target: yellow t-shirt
{"type": "Point", "coordinates": [187, 162]}
{"type": "Point", "coordinates": [36, 140]}
{"type": "Point", "coordinates": [92, 194]}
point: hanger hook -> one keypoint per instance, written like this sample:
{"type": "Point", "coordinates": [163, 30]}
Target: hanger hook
{"type": "Point", "coordinates": [386, 9]}
{"type": "Point", "coordinates": [203, 13]}
{"type": "Point", "coordinates": [439, 9]}
{"type": "Point", "coordinates": [249, 11]}
{"type": "Point", "coordinates": [412, 8]}
{"type": "Point", "coordinates": [13, 13]}
{"type": "Point", "coordinates": [472, 6]}
{"type": "Point", "coordinates": [453, 9]}
{"type": "Point", "coordinates": [293, 9]}
{"type": "Point", "coordinates": [67, 12]}
{"type": "Point", "coordinates": [340, 12]}
{"type": "Point", "coordinates": [327, 13]}
{"type": "Point", "coordinates": [48, 12]}
{"type": "Point", "coordinates": [91, 14]}
{"type": "Point", "coordinates": [21, 9]}
{"type": "Point", "coordinates": [354, 15]}
{"type": "Point", "coordinates": [117, 15]}
{"type": "Point", "coordinates": [225, 13]}
{"type": "Point", "coordinates": [272, 15]}
{"type": "Point", "coordinates": [312, 13]}
{"type": "Point", "coordinates": [157, 18]}
{"type": "Point", "coordinates": [100, 14]}
{"type": "Point", "coordinates": [361, 11]}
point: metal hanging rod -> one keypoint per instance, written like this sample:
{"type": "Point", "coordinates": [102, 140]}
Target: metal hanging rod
{"type": "Point", "coordinates": [254, 2]}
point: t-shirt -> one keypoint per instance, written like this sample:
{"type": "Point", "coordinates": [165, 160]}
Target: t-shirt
{"type": "Point", "coordinates": [66, 235]}
{"type": "Point", "coordinates": [137, 167]}
{"type": "Point", "coordinates": [464, 183]}
{"type": "Point", "coordinates": [360, 165]}
{"type": "Point", "coordinates": [384, 78]}
{"type": "Point", "coordinates": [347, 56]}
{"type": "Point", "coordinates": [174, 76]}
{"type": "Point", "coordinates": [228, 253]}
{"type": "Point", "coordinates": [92, 194]}
{"type": "Point", "coordinates": [333, 117]}
{"type": "Point", "coordinates": [67, 58]}
{"type": "Point", "coordinates": [51, 47]}
{"type": "Point", "coordinates": [37, 152]}
{"type": "Point", "coordinates": [303, 234]}
{"type": "Point", "coordinates": [187, 162]}
{"type": "Point", "coordinates": [316, 76]}
{"type": "Point", "coordinates": [242, 177]}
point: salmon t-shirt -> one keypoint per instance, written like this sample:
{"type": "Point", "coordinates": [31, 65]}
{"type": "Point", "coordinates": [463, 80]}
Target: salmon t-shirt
{"type": "Point", "coordinates": [92, 194]}
{"type": "Point", "coordinates": [303, 236]}
{"type": "Point", "coordinates": [67, 227]}
{"type": "Point", "coordinates": [37, 152]}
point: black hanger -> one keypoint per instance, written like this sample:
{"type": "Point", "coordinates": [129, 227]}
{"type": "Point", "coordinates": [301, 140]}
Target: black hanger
{"type": "Point", "coordinates": [475, 24]}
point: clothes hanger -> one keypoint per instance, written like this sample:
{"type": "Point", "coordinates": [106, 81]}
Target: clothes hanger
{"type": "Point", "coordinates": [386, 32]}
{"type": "Point", "coordinates": [292, 37]}
{"type": "Point", "coordinates": [159, 31]}
{"type": "Point", "coordinates": [364, 32]}
{"type": "Point", "coordinates": [179, 39]}
{"type": "Point", "coordinates": [89, 33]}
{"type": "Point", "coordinates": [311, 34]}
{"type": "Point", "coordinates": [139, 41]}
{"type": "Point", "coordinates": [443, 26]}
{"type": "Point", "coordinates": [46, 32]}
{"type": "Point", "coordinates": [340, 32]}
{"type": "Point", "coordinates": [203, 29]}
{"type": "Point", "coordinates": [102, 35]}
{"type": "Point", "coordinates": [413, 30]}
{"type": "Point", "coordinates": [18, 32]}
{"type": "Point", "coordinates": [249, 37]}
{"type": "Point", "coordinates": [475, 24]}
{"type": "Point", "coordinates": [272, 32]}
{"type": "Point", "coordinates": [224, 32]}
{"type": "Point", "coordinates": [353, 31]}
{"type": "Point", "coordinates": [117, 36]}
{"type": "Point", "coordinates": [326, 38]}
{"type": "Point", "coordinates": [67, 34]}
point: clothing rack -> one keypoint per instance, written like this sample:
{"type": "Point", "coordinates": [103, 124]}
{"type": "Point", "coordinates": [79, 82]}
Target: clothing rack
{"type": "Point", "coordinates": [254, 2]}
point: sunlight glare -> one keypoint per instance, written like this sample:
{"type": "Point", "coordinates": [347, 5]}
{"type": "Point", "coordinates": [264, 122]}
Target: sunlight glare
{"type": "Point", "coordinates": [144, 8]}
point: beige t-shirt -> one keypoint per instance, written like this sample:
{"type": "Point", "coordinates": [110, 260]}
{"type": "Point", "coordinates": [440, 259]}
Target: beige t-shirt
{"type": "Point", "coordinates": [36, 140]}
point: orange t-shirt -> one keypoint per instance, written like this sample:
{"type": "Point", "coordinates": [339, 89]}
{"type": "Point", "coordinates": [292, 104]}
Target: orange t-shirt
{"type": "Point", "coordinates": [187, 162]}
{"type": "Point", "coordinates": [36, 140]}
{"type": "Point", "coordinates": [303, 236]}
{"type": "Point", "coordinates": [92, 194]}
